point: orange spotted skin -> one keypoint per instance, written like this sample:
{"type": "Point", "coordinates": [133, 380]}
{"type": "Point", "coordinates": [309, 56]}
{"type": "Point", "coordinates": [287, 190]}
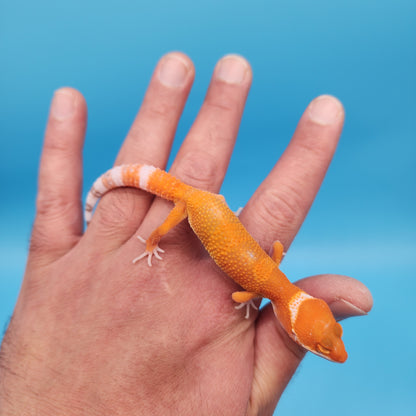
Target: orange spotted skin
{"type": "Point", "coordinates": [231, 246]}
{"type": "Point", "coordinates": [307, 320]}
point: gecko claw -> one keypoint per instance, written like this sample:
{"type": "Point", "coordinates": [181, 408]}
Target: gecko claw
{"type": "Point", "coordinates": [248, 304]}
{"type": "Point", "coordinates": [149, 254]}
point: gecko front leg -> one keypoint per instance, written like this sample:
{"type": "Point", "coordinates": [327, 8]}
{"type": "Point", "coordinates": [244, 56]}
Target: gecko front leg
{"type": "Point", "coordinates": [245, 299]}
{"type": "Point", "coordinates": [175, 216]}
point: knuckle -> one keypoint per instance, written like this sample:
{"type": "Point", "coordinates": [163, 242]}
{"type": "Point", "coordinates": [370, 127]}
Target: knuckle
{"type": "Point", "coordinates": [156, 112]}
{"type": "Point", "coordinates": [281, 208]}
{"type": "Point", "coordinates": [198, 169]}
{"type": "Point", "coordinates": [119, 210]}
{"type": "Point", "coordinates": [50, 213]}
{"type": "Point", "coordinates": [315, 147]}
{"type": "Point", "coordinates": [52, 205]}
{"type": "Point", "coordinates": [39, 239]}
{"type": "Point", "coordinates": [53, 144]}
{"type": "Point", "coordinates": [220, 104]}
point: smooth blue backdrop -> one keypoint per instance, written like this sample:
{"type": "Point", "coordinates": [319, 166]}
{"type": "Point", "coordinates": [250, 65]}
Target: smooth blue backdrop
{"type": "Point", "coordinates": [363, 222]}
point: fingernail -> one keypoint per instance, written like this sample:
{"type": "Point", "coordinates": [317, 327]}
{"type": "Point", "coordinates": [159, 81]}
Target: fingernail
{"type": "Point", "coordinates": [232, 69]}
{"type": "Point", "coordinates": [63, 104]}
{"type": "Point", "coordinates": [325, 110]}
{"type": "Point", "coordinates": [342, 309]}
{"type": "Point", "coordinates": [173, 71]}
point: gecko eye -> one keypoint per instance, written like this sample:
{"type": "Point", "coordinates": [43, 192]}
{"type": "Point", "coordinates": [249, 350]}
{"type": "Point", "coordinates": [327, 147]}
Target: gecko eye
{"type": "Point", "coordinates": [322, 349]}
{"type": "Point", "coordinates": [325, 346]}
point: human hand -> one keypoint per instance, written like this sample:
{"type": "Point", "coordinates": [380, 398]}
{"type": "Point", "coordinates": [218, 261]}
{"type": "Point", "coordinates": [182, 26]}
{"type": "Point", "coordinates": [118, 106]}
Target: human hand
{"type": "Point", "coordinates": [93, 334]}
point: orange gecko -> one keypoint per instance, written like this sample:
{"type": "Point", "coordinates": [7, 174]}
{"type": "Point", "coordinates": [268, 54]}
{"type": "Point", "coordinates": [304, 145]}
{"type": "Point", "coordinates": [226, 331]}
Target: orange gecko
{"type": "Point", "coordinates": [306, 319]}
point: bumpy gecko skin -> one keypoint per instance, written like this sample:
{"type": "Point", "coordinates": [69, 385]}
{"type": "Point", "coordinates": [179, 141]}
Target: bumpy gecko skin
{"type": "Point", "coordinates": [306, 319]}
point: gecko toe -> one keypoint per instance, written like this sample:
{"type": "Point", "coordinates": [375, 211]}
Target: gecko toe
{"type": "Point", "coordinates": [249, 304]}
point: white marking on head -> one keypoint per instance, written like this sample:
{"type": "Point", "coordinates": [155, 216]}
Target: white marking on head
{"type": "Point", "coordinates": [294, 305]}
{"type": "Point", "coordinates": [144, 174]}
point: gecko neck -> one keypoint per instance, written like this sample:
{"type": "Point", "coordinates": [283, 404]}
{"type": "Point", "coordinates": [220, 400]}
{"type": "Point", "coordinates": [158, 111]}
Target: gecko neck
{"type": "Point", "coordinates": [278, 288]}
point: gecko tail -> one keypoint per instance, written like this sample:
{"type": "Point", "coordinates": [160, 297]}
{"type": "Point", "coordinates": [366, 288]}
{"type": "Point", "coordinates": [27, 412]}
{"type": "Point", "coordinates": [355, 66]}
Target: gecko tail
{"type": "Point", "coordinates": [145, 177]}
{"type": "Point", "coordinates": [113, 178]}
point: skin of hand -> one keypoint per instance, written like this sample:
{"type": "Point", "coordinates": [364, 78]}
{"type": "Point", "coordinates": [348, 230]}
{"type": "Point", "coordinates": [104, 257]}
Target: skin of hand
{"type": "Point", "coordinates": [93, 334]}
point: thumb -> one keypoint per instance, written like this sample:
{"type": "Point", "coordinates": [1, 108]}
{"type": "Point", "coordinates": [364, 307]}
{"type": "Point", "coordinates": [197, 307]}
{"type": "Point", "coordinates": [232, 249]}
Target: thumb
{"type": "Point", "coordinates": [277, 356]}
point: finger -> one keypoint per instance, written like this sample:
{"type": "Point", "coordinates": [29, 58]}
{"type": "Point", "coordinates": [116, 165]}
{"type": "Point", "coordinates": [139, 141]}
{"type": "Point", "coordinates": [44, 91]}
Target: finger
{"type": "Point", "coordinates": [150, 137]}
{"type": "Point", "coordinates": [148, 141]}
{"type": "Point", "coordinates": [345, 295]}
{"type": "Point", "coordinates": [203, 158]}
{"type": "Point", "coordinates": [58, 222]}
{"type": "Point", "coordinates": [277, 356]}
{"type": "Point", "coordinates": [280, 204]}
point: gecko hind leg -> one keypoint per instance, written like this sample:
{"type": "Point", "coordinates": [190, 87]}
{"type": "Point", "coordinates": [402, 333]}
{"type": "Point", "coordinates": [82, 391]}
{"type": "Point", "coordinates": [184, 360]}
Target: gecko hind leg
{"type": "Point", "coordinates": [175, 216]}
{"type": "Point", "coordinates": [277, 252]}
{"type": "Point", "coordinates": [245, 299]}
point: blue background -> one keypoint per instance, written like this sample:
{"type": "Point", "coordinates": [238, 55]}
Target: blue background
{"type": "Point", "coordinates": [363, 222]}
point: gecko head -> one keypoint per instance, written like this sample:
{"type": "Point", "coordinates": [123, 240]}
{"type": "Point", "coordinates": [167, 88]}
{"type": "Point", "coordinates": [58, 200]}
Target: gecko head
{"type": "Point", "coordinates": [316, 329]}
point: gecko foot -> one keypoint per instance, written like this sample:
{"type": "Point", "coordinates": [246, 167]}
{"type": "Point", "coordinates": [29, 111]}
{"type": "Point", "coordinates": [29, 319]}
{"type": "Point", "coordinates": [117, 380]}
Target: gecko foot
{"type": "Point", "coordinates": [149, 254]}
{"type": "Point", "coordinates": [247, 304]}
